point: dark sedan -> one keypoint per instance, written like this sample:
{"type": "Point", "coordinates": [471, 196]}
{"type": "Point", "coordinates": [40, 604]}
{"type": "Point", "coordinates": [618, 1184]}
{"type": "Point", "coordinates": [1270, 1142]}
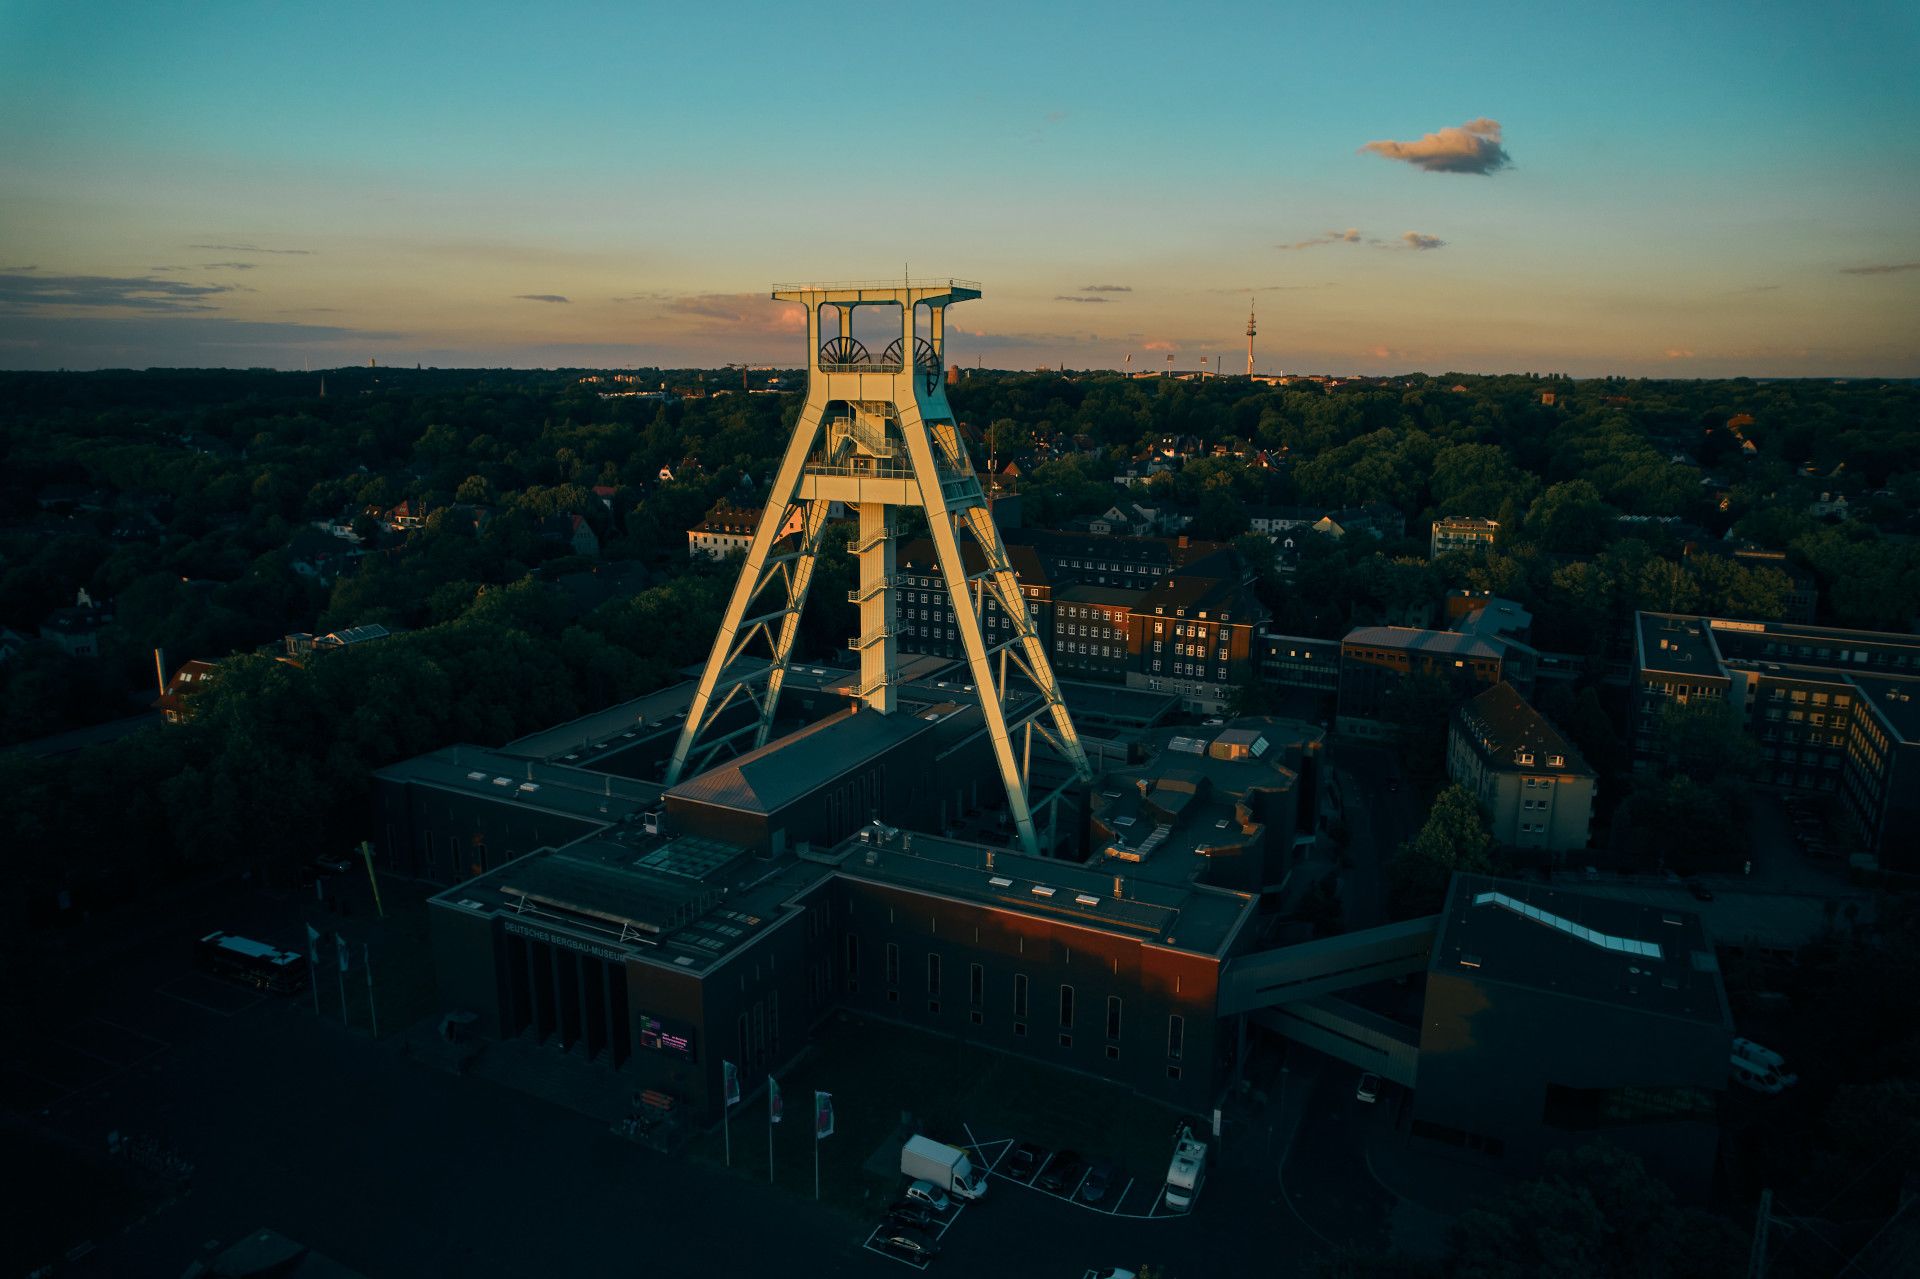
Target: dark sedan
{"type": "Point", "coordinates": [1098, 1186]}
{"type": "Point", "coordinates": [909, 1242]}
{"type": "Point", "coordinates": [1022, 1161]}
{"type": "Point", "coordinates": [910, 1212]}
{"type": "Point", "coordinates": [1062, 1174]}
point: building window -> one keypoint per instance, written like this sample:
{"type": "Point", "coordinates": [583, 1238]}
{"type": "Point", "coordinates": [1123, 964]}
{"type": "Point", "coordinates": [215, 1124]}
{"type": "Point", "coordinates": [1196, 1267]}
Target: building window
{"type": "Point", "coordinates": [893, 964]}
{"type": "Point", "coordinates": [1113, 1052]}
{"type": "Point", "coordinates": [1176, 1038]}
{"type": "Point", "coordinates": [1173, 1072]}
{"type": "Point", "coordinates": [976, 985]}
{"type": "Point", "coordinates": [1066, 1008]}
{"type": "Point", "coordinates": [933, 973]}
{"type": "Point", "coordinates": [853, 963]}
{"type": "Point", "coordinates": [976, 1017]}
{"type": "Point", "coordinates": [1066, 1041]}
{"type": "Point", "coordinates": [1020, 996]}
{"type": "Point", "coordinates": [1020, 1029]}
{"type": "Point", "coordinates": [1113, 1016]}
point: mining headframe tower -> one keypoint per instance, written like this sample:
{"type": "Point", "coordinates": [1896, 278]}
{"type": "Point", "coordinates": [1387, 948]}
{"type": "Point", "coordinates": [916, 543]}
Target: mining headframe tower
{"type": "Point", "coordinates": [878, 435]}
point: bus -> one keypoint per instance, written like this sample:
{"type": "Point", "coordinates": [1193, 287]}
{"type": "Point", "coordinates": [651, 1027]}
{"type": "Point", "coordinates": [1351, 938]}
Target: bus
{"type": "Point", "coordinates": [252, 963]}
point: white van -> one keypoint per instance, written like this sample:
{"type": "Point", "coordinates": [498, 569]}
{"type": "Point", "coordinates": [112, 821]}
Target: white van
{"type": "Point", "coordinates": [1757, 1075]}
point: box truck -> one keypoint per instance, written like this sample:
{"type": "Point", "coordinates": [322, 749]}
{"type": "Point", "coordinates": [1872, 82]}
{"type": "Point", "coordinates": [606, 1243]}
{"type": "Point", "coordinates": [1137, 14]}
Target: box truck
{"type": "Point", "coordinates": [947, 1167]}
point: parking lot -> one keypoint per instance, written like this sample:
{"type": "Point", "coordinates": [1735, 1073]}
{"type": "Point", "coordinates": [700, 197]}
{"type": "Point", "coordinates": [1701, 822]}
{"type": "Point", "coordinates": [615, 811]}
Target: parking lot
{"type": "Point", "coordinates": [1063, 1176]}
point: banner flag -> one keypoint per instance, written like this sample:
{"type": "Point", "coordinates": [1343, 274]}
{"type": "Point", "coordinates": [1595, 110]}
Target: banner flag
{"type": "Point", "coordinates": [732, 1078]}
{"type": "Point", "coordinates": [822, 1115]}
{"type": "Point", "coordinates": [774, 1103]}
{"type": "Point", "coordinates": [313, 945]}
{"type": "Point", "coordinates": [341, 942]}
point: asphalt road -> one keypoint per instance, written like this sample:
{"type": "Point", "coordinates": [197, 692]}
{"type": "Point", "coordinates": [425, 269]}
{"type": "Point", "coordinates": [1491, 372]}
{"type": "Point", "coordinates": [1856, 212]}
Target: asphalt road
{"type": "Point", "coordinates": [395, 1168]}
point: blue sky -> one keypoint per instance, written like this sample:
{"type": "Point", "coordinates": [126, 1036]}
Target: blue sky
{"type": "Point", "coordinates": [1692, 191]}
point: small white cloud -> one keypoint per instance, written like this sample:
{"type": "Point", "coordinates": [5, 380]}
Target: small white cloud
{"type": "Point", "coordinates": [1473, 147]}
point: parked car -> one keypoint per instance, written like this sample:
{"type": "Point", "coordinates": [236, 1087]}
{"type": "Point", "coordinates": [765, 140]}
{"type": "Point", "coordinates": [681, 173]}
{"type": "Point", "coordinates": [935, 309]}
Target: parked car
{"type": "Point", "coordinates": [1098, 1183]}
{"type": "Point", "coordinates": [1023, 1161]}
{"type": "Point", "coordinates": [1062, 1174]}
{"type": "Point", "coordinates": [1699, 890]}
{"type": "Point", "coordinates": [911, 1242]}
{"type": "Point", "coordinates": [909, 1212]}
{"type": "Point", "coordinates": [1369, 1089]}
{"type": "Point", "coordinates": [925, 1192]}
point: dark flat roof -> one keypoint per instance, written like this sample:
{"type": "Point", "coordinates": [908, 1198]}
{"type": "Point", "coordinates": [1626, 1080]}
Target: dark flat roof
{"type": "Point", "coordinates": [767, 779]}
{"type": "Point", "coordinates": [1894, 698]}
{"type": "Point", "coordinates": [619, 894]}
{"type": "Point", "coordinates": [528, 783]}
{"type": "Point", "coordinates": [1653, 959]}
{"type": "Point", "coordinates": [1677, 645]}
{"type": "Point", "coordinates": [1180, 915]}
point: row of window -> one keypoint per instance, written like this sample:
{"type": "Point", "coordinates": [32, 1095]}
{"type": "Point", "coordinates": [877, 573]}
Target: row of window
{"type": "Point", "coordinates": [976, 997]}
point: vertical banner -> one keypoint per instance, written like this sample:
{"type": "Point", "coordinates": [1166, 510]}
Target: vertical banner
{"type": "Point", "coordinates": [822, 1128]}
{"type": "Point", "coordinates": [822, 1115]}
{"type": "Point", "coordinates": [313, 965]}
{"type": "Point", "coordinates": [773, 1117]}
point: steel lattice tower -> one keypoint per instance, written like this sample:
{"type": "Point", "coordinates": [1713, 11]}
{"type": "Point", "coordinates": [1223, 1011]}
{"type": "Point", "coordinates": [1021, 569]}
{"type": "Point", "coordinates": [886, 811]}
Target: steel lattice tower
{"type": "Point", "coordinates": [878, 435]}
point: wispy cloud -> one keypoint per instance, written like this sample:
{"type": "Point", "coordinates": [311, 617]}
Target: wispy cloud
{"type": "Point", "coordinates": [1273, 288]}
{"type": "Point", "coordinates": [1106, 288]}
{"type": "Point", "coordinates": [1349, 236]}
{"type": "Point", "coordinates": [747, 312]}
{"type": "Point", "coordinates": [1074, 297]}
{"type": "Point", "coordinates": [1885, 268]}
{"type": "Point", "coordinates": [103, 340]}
{"type": "Point", "coordinates": [22, 291]}
{"type": "Point", "coordinates": [250, 248]}
{"type": "Point", "coordinates": [1415, 240]}
{"type": "Point", "coordinates": [1156, 346]}
{"type": "Point", "coordinates": [541, 297]}
{"type": "Point", "coordinates": [1679, 353]}
{"type": "Point", "coordinates": [1473, 147]}
{"type": "Point", "coordinates": [228, 266]}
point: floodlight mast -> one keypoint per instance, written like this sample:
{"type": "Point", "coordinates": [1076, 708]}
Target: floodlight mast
{"type": "Point", "coordinates": [878, 434]}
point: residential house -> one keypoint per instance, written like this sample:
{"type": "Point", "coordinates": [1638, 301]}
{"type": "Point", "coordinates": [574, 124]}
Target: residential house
{"type": "Point", "coordinates": [175, 702]}
{"type": "Point", "coordinates": [1530, 780]}
{"type": "Point", "coordinates": [77, 629]}
{"type": "Point", "coordinates": [1461, 533]}
{"type": "Point", "coordinates": [728, 530]}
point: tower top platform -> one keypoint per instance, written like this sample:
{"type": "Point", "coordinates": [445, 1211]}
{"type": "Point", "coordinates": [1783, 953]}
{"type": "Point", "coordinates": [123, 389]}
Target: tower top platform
{"type": "Point", "coordinates": [905, 292]}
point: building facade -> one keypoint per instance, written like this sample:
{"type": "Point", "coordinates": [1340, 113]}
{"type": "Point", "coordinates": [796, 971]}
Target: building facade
{"type": "Point", "coordinates": [1554, 1019]}
{"type": "Point", "coordinates": [1532, 783]}
{"type": "Point", "coordinates": [1823, 705]}
{"type": "Point", "coordinates": [1459, 533]}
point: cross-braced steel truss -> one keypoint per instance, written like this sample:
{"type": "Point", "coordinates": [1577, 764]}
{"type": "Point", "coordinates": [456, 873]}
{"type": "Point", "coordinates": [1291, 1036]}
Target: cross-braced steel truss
{"type": "Point", "coordinates": [878, 435]}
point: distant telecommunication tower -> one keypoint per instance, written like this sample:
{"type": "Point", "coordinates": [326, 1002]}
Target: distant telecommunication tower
{"type": "Point", "coordinates": [1249, 339]}
{"type": "Point", "coordinates": [877, 434]}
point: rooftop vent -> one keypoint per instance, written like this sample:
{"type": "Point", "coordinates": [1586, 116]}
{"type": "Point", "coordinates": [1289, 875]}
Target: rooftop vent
{"type": "Point", "coordinates": [1041, 890]}
{"type": "Point", "coordinates": [476, 777]}
{"type": "Point", "coordinates": [1087, 899]}
{"type": "Point", "coordinates": [503, 781]}
{"type": "Point", "coordinates": [529, 787]}
{"type": "Point", "coordinates": [1001, 881]}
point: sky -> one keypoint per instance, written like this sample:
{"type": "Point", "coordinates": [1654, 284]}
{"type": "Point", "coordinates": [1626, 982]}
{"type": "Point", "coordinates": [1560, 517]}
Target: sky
{"type": "Point", "coordinates": [1699, 190]}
